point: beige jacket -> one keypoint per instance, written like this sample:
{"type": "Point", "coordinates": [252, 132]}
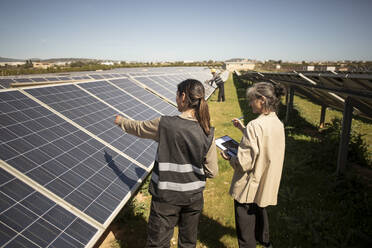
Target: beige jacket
{"type": "Point", "coordinates": [149, 130]}
{"type": "Point", "coordinates": [259, 162]}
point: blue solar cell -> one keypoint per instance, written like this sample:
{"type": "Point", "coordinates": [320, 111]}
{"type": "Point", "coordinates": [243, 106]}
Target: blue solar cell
{"type": "Point", "coordinates": [29, 219]}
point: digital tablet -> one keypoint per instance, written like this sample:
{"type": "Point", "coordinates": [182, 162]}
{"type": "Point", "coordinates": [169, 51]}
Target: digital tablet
{"type": "Point", "coordinates": [228, 144]}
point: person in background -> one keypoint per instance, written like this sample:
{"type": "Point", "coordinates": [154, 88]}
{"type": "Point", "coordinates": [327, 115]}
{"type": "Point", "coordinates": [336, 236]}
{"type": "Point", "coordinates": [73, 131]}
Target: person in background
{"type": "Point", "coordinates": [220, 84]}
{"type": "Point", "coordinates": [257, 165]}
{"type": "Point", "coordinates": [186, 156]}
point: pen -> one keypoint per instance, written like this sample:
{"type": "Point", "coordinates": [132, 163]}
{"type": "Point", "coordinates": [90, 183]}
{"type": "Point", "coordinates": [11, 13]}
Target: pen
{"type": "Point", "coordinates": [240, 118]}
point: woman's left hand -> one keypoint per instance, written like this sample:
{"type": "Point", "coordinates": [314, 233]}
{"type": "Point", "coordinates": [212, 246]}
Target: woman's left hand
{"type": "Point", "coordinates": [224, 155]}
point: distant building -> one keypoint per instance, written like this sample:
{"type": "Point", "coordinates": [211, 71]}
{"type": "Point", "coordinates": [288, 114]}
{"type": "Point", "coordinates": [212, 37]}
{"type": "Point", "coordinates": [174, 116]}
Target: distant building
{"type": "Point", "coordinates": [242, 65]}
{"type": "Point", "coordinates": [61, 63]}
{"type": "Point", "coordinates": [12, 63]}
{"type": "Point", "coordinates": [310, 68]}
{"type": "Point", "coordinates": [42, 65]}
{"type": "Point", "coordinates": [107, 63]}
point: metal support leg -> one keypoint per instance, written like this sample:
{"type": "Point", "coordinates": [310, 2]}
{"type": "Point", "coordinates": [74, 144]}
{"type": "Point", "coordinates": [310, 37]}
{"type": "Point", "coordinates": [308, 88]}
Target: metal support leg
{"type": "Point", "coordinates": [322, 116]}
{"type": "Point", "coordinates": [289, 104]}
{"type": "Point", "coordinates": [345, 136]}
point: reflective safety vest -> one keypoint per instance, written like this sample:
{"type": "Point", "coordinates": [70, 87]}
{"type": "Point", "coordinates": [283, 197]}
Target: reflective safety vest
{"type": "Point", "coordinates": [178, 175]}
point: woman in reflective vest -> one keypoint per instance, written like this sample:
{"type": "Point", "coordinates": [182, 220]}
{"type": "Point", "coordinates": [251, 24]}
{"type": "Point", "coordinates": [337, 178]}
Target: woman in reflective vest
{"type": "Point", "coordinates": [186, 156]}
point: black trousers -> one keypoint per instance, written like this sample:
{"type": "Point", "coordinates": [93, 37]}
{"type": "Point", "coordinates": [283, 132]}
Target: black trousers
{"type": "Point", "coordinates": [252, 224]}
{"type": "Point", "coordinates": [221, 92]}
{"type": "Point", "coordinates": [165, 216]}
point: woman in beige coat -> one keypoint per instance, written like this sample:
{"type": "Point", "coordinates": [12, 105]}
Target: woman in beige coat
{"type": "Point", "coordinates": [258, 165]}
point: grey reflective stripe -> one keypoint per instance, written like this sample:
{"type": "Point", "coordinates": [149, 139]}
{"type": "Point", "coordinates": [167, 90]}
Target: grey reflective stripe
{"type": "Point", "coordinates": [182, 168]}
{"type": "Point", "coordinates": [181, 187]}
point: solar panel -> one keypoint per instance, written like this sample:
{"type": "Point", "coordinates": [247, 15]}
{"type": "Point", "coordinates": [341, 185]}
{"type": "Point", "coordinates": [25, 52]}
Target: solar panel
{"type": "Point", "coordinates": [171, 85]}
{"type": "Point", "coordinates": [30, 219]}
{"type": "Point", "coordinates": [96, 76]}
{"type": "Point", "coordinates": [145, 96]}
{"type": "Point", "coordinates": [64, 78]}
{"type": "Point", "coordinates": [174, 79]}
{"type": "Point", "coordinates": [96, 117]}
{"type": "Point", "coordinates": [23, 80]}
{"type": "Point", "coordinates": [62, 158]}
{"type": "Point", "coordinates": [5, 82]}
{"type": "Point", "coordinates": [120, 100]}
{"type": "Point", "coordinates": [52, 79]}
{"type": "Point", "coordinates": [77, 78]}
{"type": "Point", "coordinates": [159, 89]}
{"type": "Point", "coordinates": [39, 79]}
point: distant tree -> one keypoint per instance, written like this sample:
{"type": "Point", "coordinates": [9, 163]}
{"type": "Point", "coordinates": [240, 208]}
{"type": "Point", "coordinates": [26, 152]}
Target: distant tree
{"type": "Point", "coordinates": [28, 64]}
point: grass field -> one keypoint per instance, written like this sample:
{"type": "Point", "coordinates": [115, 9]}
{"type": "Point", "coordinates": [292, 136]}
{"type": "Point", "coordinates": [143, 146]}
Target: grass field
{"type": "Point", "coordinates": [315, 208]}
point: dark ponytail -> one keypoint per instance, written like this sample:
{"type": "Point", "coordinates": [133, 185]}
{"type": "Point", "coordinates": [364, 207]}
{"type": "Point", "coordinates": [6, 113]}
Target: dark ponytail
{"type": "Point", "coordinates": [194, 98]}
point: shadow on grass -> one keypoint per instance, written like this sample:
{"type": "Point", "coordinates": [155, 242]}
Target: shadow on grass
{"type": "Point", "coordinates": [129, 230]}
{"type": "Point", "coordinates": [211, 232]}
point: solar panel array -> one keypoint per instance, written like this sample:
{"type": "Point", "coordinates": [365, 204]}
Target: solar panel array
{"type": "Point", "coordinates": [65, 169]}
{"type": "Point", "coordinates": [327, 89]}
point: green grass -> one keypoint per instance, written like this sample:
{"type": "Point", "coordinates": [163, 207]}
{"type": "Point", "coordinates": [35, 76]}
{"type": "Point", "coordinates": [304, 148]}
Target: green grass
{"type": "Point", "coordinates": [315, 208]}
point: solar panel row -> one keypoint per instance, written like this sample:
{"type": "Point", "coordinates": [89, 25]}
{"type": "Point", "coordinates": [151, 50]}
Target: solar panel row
{"type": "Point", "coordinates": [326, 89]}
{"type": "Point", "coordinates": [62, 141]}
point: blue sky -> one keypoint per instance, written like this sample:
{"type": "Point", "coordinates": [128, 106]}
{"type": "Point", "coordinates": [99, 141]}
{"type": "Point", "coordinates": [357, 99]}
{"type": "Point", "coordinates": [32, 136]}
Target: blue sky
{"type": "Point", "coordinates": [291, 30]}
